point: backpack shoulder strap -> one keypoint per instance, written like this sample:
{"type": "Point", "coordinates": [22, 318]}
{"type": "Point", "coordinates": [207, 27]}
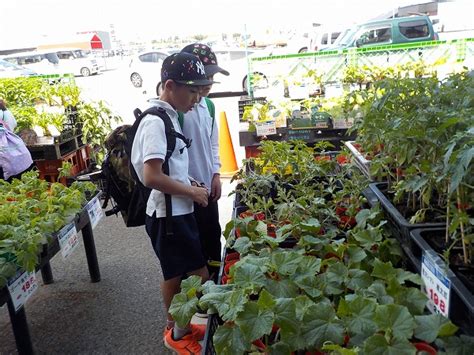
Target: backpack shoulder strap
{"type": "Point", "coordinates": [212, 111]}
{"type": "Point", "coordinates": [171, 136]}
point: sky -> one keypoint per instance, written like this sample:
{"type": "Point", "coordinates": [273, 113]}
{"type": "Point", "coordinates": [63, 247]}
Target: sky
{"type": "Point", "coordinates": [25, 22]}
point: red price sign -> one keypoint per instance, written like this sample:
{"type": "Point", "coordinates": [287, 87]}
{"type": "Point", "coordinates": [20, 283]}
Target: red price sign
{"type": "Point", "coordinates": [21, 287]}
{"type": "Point", "coordinates": [437, 286]}
{"type": "Point", "coordinates": [68, 239]}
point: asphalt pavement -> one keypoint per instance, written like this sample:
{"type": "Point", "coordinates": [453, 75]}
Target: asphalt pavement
{"type": "Point", "coordinates": [121, 314]}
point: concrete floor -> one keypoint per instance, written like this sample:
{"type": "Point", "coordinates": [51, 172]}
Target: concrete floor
{"type": "Point", "coordinates": [121, 314]}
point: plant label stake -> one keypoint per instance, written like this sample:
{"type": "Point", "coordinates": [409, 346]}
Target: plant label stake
{"type": "Point", "coordinates": [68, 239]}
{"type": "Point", "coordinates": [437, 285]}
{"type": "Point", "coordinates": [265, 128]}
{"type": "Point", "coordinates": [21, 287]}
{"type": "Point", "coordinates": [94, 210]}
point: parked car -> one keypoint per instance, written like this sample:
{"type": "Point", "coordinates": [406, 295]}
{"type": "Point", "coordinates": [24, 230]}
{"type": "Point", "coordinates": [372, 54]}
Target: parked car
{"type": "Point", "coordinates": [389, 31]}
{"type": "Point", "coordinates": [322, 38]}
{"type": "Point", "coordinates": [49, 62]}
{"type": "Point", "coordinates": [44, 63]}
{"type": "Point", "coordinates": [78, 61]}
{"type": "Point", "coordinates": [145, 69]}
{"type": "Point", "coordinates": [10, 70]}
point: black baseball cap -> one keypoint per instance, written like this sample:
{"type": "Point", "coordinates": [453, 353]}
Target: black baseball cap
{"type": "Point", "coordinates": [184, 68]}
{"type": "Point", "coordinates": [207, 57]}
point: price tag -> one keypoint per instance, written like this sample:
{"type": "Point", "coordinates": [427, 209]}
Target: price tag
{"type": "Point", "coordinates": [266, 128]}
{"type": "Point", "coordinates": [343, 123]}
{"type": "Point", "coordinates": [437, 286]}
{"type": "Point", "coordinates": [68, 239]}
{"type": "Point", "coordinates": [94, 209]}
{"type": "Point", "coordinates": [21, 287]}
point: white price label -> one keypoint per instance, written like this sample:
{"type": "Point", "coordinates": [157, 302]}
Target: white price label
{"type": "Point", "coordinates": [21, 287]}
{"type": "Point", "coordinates": [94, 209]}
{"type": "Point", "coordinates": [437, 286]}
{"type": "Point", "coordinates": [266, 128]}
{"type": "Point", "coordinates": [342, 123]}
{"type": "Point", "coordinates": [68, 239]}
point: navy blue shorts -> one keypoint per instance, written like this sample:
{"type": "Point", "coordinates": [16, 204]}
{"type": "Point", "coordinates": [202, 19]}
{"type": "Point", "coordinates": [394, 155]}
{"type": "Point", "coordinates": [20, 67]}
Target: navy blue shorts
{"type": "Point", "coordinates": [181, 253]}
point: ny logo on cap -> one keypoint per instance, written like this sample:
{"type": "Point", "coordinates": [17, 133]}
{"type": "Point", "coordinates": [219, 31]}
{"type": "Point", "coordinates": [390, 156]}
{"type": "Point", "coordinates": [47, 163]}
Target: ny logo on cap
{"type": "Point", "coordinates": [200, 68]}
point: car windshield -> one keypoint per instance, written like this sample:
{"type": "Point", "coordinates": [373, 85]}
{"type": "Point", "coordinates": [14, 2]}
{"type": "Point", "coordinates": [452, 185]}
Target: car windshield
{"type": "Point", "coordinates": [7, 65]}
{"type": "Point", "coordinates": [79, 54]}
{"type": "Point", "coordinates": [345, 38]}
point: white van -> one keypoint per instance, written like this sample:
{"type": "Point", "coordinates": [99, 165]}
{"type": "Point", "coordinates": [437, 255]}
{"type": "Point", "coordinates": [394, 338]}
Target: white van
{"type": "Point", "coordinates": [322, 38]}
{"type": "Point", "coordinates": [47, 62]}
{"type": "Point", "coordinates": [78, 61]}
{"type": "Point", "coordinates": [43, 63]}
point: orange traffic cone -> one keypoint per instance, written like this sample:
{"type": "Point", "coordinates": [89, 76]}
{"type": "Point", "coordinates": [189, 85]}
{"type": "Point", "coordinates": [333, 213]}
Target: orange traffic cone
{"type": "Point", "coordinates": [226, 148]}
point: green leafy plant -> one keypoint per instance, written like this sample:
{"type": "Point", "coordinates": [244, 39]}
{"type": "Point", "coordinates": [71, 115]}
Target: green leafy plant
{"type": "Point", "coordinates": [96, 120]}
{"type": "Point", "coordinates": [31, 210]}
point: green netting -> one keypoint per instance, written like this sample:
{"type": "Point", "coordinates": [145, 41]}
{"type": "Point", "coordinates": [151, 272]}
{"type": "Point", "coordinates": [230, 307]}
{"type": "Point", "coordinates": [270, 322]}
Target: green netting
{"type": "Point", "coordinates": [279, 70]}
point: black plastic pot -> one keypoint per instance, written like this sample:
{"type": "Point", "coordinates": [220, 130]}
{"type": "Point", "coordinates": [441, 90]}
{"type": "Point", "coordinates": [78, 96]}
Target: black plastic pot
{"type": "Point", "coordinates": [401, 226]}
{"type": "Point", "coordinates": [213, 322]}
{"type": "Point", "coordinates": [461, 311]}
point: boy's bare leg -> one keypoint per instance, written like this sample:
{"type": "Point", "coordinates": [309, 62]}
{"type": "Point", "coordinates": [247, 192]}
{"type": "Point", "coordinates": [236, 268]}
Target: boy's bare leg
{"type": "Point", "coordinates": [169, 288]}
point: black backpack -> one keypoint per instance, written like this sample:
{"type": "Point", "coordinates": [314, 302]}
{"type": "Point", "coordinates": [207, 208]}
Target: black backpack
{"type": "Point", "coordinates": [122, 182]}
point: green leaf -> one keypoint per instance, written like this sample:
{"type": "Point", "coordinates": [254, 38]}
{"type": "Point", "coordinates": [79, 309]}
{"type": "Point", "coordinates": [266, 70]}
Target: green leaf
{"type": "Point", "coordinates": [368, 237]}
{"type": "Point", "coordinates": [413, 299]}
{"type": "Point", "coordinates": [396, 320]}
{"type": "Point", "coordinates": [285, 314]}
{"type": "Point", "coordinates": [365, 215]}
{"type": "Point", "coordinates": [379, 291]}
{"type": "Point", "coordinates": [182, 309]}
{"type": "Point", "coordinates": [320, 325]}
{"type": "Point", "coordinates": [242, 245]}
{"type": "Point", "coordinates": [254, 321]}
{"type": "Point", "coordinates": [356, 254]}
{"type": "Point", "coordinates": [227, 304]}
{"type": "Point", "coordinates": [283, 288]}
{"type": "Point", "coordinates": [191, 285]}
{"type": "Point", "coordinates": [247, 274]}
{"type": "Point", "coordinates": [461, 345]}
{"type": "Point", "coordinates": [286, 262]}
{"type": "Point", "coordinates": [229, 340]}
{"type": "Point", "coordinates": [310, 284]}
{"type": "Point", "coordinates": [429, 327]}
{"type": "Point", "coordinates": [334, 278]}
{"type": "Point", "coordinates": [358, 313]}
{"type": "Point", "coordinates": [339, 350]}
{"type": "Point", "coordinates": [383, 271]}
{"type": "Point", "coordinates": [278, 349]}
{"type": "Point", "coordinates": [358, 279]}
{"type": "Point", "coordinates": [266, 300]}
{"type": "Point", "coordinates": [309, 265]}
{"type": "Point", "coordinates": [311, 225]}
{"type": "Point", "coordinates": [378, 345]}
{"type": "Point", "coordinates": [302, 303]}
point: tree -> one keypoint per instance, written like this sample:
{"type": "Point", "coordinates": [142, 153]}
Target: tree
{"type": "Point", "coordinates": [199, 37]}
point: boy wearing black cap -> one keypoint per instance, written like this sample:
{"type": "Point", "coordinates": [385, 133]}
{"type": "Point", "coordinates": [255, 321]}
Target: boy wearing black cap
{"type": "Point", "coordinates": [182, 76]}
{"type": "Point", "coordinates": [204, 161]}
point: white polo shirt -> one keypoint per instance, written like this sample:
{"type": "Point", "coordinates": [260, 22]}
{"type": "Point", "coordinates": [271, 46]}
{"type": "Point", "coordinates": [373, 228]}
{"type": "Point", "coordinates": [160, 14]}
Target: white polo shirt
{"type": "Point", "coordinates": [150, 143]}
{"type": "Point", "coordinates": [204, 159]}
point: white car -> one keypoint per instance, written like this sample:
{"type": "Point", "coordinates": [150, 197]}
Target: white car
{"type": "Point", "coordinates": [10, 70]}
{"type": "Point", "coordinates": [78, 61]}
{"type": "Point", "coordinates": [47, 62]}
{"type": "Point", "coordinates": [145, 69]}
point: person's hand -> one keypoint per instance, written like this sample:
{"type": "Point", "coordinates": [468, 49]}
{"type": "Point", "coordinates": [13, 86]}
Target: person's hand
{"type": "Point", "coordinates": [199, 195]}
{"type": "Point", "coordinates": [216, 188]}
